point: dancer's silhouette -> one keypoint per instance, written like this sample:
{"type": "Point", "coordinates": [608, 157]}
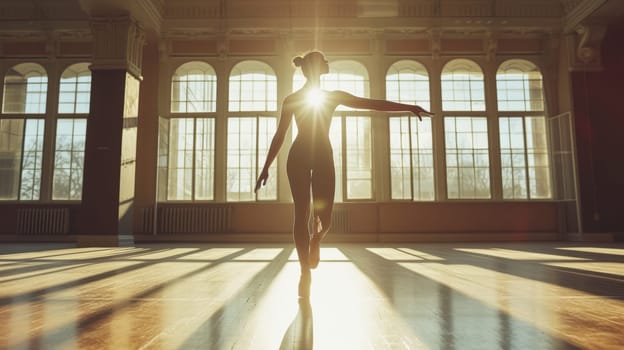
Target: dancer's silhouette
{"type": "Point", "coordinates": [310, 162]}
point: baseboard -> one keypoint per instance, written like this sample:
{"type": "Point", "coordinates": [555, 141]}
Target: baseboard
{"type": "Point", "coordinates": [353, 237]}
{"type": "Point", "coordinates": [105, 240]}
{"type": "Point", "coordinates": [591, 237]}
{"type": "Point", "coordinates": [38, 238]}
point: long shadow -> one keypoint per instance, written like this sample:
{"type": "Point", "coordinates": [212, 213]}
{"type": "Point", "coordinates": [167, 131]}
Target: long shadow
{"type": "Point", "coordinates": [50, 255]}
{"type": "Point", "coordinates": [55, 338]}
{"type": "Point", "coordinates": [52, 263]}
{"type": "Point", "coordinates": [591, 282]}
{"type": "Point", "coordinates": [33, 247]}
{"type": "Point", "coordinates": [300, 333]}
{"type": "Point", "coordinates": [37, 293]}
{"type": "Point", "coordinates": [224, 325]}
{"type": "Point", "coordinates": [444, 318]}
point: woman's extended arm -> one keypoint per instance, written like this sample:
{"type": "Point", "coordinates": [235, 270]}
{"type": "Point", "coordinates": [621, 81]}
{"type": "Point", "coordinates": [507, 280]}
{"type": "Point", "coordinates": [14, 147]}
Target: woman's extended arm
{"type": "Point", "coordinates": [352, 101]}
{"type": "Point", "coordinates": [276, 143]}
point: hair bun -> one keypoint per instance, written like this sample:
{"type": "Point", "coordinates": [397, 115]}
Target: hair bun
{"type": "Point", "coordinates": [297, 61]}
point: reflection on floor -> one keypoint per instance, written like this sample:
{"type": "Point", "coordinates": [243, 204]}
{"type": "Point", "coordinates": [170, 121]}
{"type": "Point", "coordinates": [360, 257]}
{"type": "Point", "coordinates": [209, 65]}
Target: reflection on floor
{"type": "Point", "coordinates": [407, 296]}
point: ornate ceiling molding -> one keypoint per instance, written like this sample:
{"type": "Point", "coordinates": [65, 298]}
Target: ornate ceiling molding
{"type": "Point", "coordinates": [577, 11]}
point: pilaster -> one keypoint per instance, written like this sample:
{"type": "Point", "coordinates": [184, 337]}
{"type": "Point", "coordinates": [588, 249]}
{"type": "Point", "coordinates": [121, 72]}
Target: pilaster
{"type": "Point", "coordinates": [110, 154]}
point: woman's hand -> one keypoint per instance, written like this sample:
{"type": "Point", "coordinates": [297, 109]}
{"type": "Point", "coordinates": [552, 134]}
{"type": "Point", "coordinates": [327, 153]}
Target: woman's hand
{"type": "Point", "coordinates": [417, 110]}
{"type": "Point", "coordinates": [262, 179]}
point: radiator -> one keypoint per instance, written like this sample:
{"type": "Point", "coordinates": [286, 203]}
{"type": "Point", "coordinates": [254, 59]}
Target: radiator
{"type": "Point", "coordinates": [340, 221]}
{"type": "Point", "coordinates": [43, 221]}
{"type": "Point", "coordinates": [209, 219]}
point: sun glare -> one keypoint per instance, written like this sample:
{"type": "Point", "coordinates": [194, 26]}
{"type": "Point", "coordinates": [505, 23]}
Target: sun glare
{"type": "Point", "coordinates": [315, 98]}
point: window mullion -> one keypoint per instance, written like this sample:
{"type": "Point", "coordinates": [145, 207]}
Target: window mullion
{"type": "Point", "coordinates": [526, 159]}
{"type": "Point", "coordinates": [194, 160]}
{"type": "Point", "coordinates": [411, 149]}
{"type": "Point", "coordinates": [257, 151]}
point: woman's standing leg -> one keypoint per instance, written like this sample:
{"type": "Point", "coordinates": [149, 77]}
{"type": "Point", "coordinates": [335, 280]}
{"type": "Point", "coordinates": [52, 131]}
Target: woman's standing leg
{"type": "Point", "coordinates": [299, 179]}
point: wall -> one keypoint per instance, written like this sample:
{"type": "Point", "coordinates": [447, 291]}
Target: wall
{"type": "Point", "coordinates": [599, 122]}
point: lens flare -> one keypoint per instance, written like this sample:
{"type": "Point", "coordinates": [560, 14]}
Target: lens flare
{"type": "Point", "coordinates": [315, 98]}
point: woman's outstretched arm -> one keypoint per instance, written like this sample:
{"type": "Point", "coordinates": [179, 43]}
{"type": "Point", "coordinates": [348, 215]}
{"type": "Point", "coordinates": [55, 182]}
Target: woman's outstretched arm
{"type": "Point", "coordinates": [276, 143]}
{"type": "Point", "coordinates": [345, 98]}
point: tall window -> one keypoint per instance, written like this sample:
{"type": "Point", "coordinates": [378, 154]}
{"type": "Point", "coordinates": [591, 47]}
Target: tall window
{"type": "Point", "coordinates": [22, 131]}
{"type": "Point", "coordinates": [350, 132]}
{"type": "Point", "coordinates": [71, 130]}
{"type": "Point", "coordinates": [411, 145]}
{"type": "Point", "coordinates": [522, 128]}
{"type": "Point", "coordinates": [251, 125]}
{"type": "Point", "coordinates": [465, 130]}
{"type": "Point", "coordinates": [188, 135]}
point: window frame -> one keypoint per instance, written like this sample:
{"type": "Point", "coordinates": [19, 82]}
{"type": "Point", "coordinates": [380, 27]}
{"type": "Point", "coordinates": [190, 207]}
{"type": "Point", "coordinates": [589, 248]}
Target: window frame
{"type": "Point", "coordinates": [194, 116]}
{"type": "Point", "coordinates": [524, 66]}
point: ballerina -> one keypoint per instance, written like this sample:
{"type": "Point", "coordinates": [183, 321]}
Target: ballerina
{"type": "Point", "coordinates": [310, 164]}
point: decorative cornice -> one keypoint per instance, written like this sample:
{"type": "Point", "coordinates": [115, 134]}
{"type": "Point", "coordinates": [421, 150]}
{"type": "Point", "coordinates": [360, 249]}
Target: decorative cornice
{"type": "Point", "coordinates": [118, 44]}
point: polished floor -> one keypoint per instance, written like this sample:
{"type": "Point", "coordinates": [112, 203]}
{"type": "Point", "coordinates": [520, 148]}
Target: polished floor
{"type": "Point", "coordinates": [364, 296]}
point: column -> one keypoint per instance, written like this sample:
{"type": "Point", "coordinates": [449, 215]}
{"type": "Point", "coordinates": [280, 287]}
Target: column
{"type": "Point", "coordinates": [110, 155]}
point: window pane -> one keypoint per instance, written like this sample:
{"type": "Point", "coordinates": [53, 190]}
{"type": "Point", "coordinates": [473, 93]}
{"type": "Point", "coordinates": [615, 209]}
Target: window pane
{"type": "Point", "coordinates": [194, 88]}
{"type": "Point", "coordinates": [524, 158]}
{"type": "Point", "coordinates": [462, 86]}
{"type": "Point", "coordinates": [204, 158]}
{"type": "Point", "coordinates": [69, 159]}
{"type": "Point", "coordinates": [30, 185]}
{"type": "Point", "coordinates": [467, 160]}
{"type": "Point", "coordinates": [408, 82]}
{"type": "Point", "coordinates": [75, 87]}
{"type": "Point", "coordinates": [519, 86]}
{"type": "Point", "coordinates": [180, 181]}
{"type": "Point", "coordinates": [359, 158]}
{"type": "Point", "coordinates": [11, 138]}
{"type": "Point", "coordinates": [411, 158]}
{"type": "Point", "coordinates": [25, 89]}
{"type": "Point", "coordinates": [253, 87]}
{"type": "Point", "coordinates": [249, 139]}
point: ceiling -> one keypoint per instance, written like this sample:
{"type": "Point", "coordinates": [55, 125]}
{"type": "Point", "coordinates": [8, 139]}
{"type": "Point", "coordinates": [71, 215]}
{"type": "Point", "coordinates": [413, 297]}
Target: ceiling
{"type": "Point", "coordinates": [160, 17]}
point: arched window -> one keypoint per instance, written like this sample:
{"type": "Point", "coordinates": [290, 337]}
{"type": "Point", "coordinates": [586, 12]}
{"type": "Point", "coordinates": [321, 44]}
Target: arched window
{"type": "Point", "coordinates": [25, 89]}
{"type": "Point", "coordinates": [252, 121]}
{"type": "Point", "coordinates": [188, 135]}
{"type": "Point", "coordinates": [411, 143]}
{"type": "Point", "coordinates": [465, 130]}
{"type": "Point", "coordinates": [194, 88]}
{"type": "Point", "coordinates": [21, 137]}
{"type": "Point", "coordinates": [522, 129]}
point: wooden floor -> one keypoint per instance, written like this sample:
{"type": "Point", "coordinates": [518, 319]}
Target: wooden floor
{"type": "Point", "coordinates": [364, 296]}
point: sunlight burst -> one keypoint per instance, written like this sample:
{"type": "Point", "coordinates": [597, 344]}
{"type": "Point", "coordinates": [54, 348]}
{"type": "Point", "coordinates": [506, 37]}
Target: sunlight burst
{"type": "Point", "coordinates": [315, 98]}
